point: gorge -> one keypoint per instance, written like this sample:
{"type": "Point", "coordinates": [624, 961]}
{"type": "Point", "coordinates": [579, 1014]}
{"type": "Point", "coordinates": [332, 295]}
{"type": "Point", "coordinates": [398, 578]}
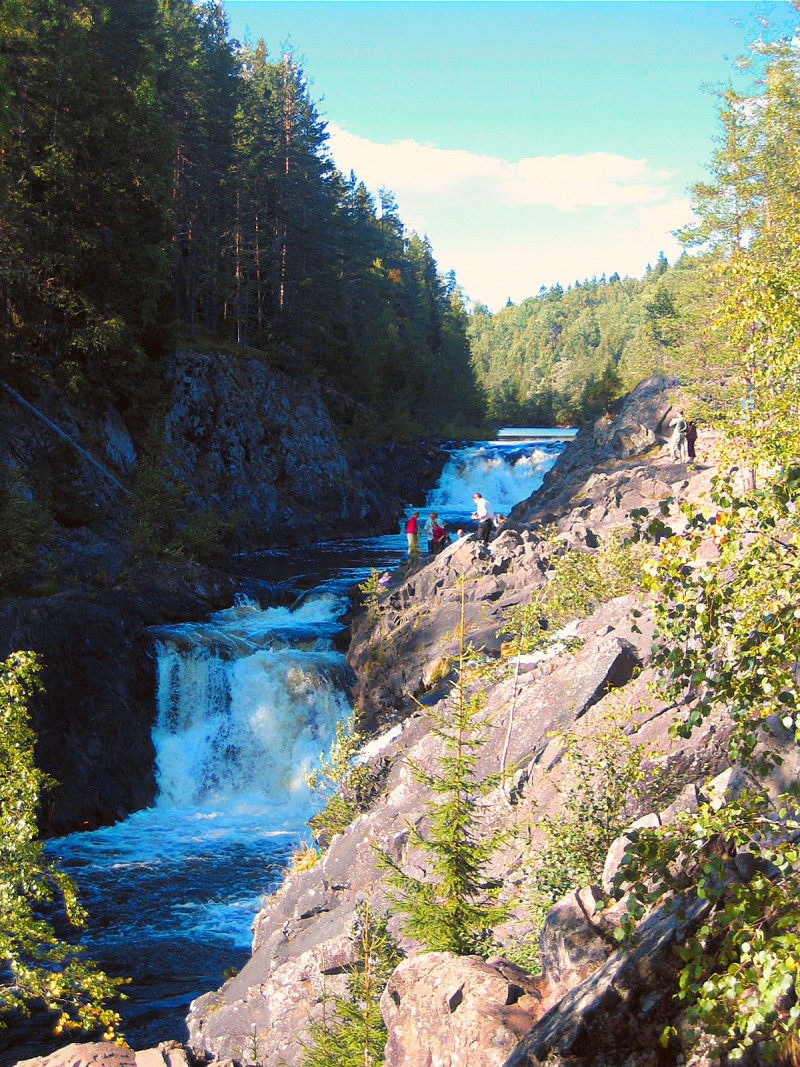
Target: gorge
{"type": "Point", "coordinates": [303, 936]}
{"type": "Point", "coordinates": [244, 704]}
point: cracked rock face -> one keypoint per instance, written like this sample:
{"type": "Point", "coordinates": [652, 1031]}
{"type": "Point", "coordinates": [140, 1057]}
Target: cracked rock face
{"type": "Point", "coordinates": [448, 1010]}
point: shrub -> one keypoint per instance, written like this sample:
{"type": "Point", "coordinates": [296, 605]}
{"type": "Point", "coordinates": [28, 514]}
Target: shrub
{"type": "Point", "coordinates": [24, 528]}
{"type": "Point", "coordinates": [40, 970]}
{"type": "Point", "coordinates": [602, 786]}
{"type": "Point", "coordinates": [577, 582]}
{"type": "Point", "coordinates": [740, 978]}
{"type": "Point", "coordinates": [340, 782]}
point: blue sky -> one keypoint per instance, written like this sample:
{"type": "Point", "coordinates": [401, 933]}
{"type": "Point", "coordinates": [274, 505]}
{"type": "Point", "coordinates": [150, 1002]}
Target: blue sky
{"type": "Point", "coordinates": [533, 141]}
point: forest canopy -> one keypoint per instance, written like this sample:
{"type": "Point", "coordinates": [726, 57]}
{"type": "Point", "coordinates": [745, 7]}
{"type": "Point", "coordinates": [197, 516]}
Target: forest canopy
{"type": "Point", "coordinates": [165, 185]}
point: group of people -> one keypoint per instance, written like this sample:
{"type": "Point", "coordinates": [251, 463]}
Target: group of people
{"type": "Point", "coordinates": [683, 440]}
{"type": "Point", "coordinates": [437, 536]}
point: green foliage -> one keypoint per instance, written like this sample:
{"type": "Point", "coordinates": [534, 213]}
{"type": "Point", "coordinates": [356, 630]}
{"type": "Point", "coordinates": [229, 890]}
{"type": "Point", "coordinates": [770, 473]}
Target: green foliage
{"type": "Point", "coordinates": [40, 971]}
{"type": "Point", "coordinates": [351, 1032]}
{"type": "Point", "coordinates": [339, 782]}
{"type": "Point", "coordinates": [370, 589]}
{"type": "Point", "coordinates": [161, 180]}
{"type": "Point", "coordinates": [161, 523]}
{"type": "Point", "coordinates": [562, 357]}
{"type": "Point", "coordinates": [727, 615]}
{"type": "Point", "coordinates": [305, 857]}
{"type": "Point", "coordinates": [577, 582]}
{"type": "Point", "coordinates": [84, 252]}
{"type": "Point", "coordinates": [724, 591]}
{"type": "Point", "coordinates": [25, 529]}
{"type": "Point", "coordinates": [739, 982]}
{"type": "Point", "coordinates": [455, 909]}
{"type": "Point", "coordinates": [602, 788]}
{"type": "Point", "coordinates": [203, 535]}
{"type": "Point", "coordinates": [156, 506]}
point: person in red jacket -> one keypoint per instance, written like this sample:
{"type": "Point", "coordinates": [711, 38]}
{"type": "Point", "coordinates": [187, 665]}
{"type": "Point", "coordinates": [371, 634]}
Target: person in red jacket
{"type": "Point", "coordinates": [412, 534]}
{"type": "Point", "coordinates": [440, 538]}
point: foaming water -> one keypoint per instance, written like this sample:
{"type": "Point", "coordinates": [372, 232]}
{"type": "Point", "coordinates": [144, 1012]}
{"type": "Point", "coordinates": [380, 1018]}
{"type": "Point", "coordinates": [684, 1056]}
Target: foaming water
{"type": "Point", "coordinates": [503, 472]}
{"type": "Point", "coordinates": [246, 703]}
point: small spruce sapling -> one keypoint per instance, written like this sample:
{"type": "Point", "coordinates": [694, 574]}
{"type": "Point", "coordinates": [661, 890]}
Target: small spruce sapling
{"type": "Point", "coordinates": [456, 908]}
{"type": "Point", "coordinates": [350, 1031]}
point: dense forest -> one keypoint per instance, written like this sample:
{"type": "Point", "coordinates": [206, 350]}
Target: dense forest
{"type": "Point", "coordinates": [165, 185]}
{"type": "Point", "coordinates": [562, 356]}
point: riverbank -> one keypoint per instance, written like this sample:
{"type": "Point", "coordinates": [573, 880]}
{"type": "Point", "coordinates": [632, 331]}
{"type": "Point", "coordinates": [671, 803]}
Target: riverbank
{"type": "Point", "coordinates": [402, 651]}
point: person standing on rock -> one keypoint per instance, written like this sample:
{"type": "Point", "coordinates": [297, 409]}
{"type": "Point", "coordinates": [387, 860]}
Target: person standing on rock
{"type": "Point", "coordinates": [677, 443]}
{"type": "Point", "coordinates": [691, 440]}
{"type": "Point", "coordinates": [430, 525]}
{"type": "Point", "coordinates": [485, 516]}
{"type": "Point", "coordinates": [412, 535]}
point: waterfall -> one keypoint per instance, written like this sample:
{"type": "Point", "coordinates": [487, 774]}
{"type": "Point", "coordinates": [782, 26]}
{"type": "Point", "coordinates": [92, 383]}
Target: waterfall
{"type": "Point", "coordinates": [245, 706]}
{"type": "Point", "coordinates": [505, 472]}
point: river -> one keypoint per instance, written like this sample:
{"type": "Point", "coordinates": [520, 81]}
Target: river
{"type": "Point", "coordinates": [247, 701]}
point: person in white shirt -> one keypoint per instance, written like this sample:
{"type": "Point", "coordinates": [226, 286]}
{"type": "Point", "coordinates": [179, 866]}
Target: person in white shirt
{"type": "Point", "coordinates": [485, 516]}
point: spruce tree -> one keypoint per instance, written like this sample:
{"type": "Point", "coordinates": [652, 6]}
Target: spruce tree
{"type": "Point", "coordinates": [455, 909]}
{"type": "Point", "coordinates": [351, 1031]}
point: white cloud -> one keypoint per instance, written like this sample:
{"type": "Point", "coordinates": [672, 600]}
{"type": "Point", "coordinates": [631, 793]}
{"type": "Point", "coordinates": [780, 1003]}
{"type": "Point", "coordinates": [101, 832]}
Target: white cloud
{"type": "Point", "coordinates": [507, 228]}
{"type": "Point", "coordinates": [407, 164]}
{"type": "Point", "coordinates": [567, 183]}
{"type": "Point", "coordinates": [564, 182]}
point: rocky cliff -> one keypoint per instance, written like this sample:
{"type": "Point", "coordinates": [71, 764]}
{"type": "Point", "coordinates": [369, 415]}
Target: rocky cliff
{"type": "Point", "coordinates": [238, 440]}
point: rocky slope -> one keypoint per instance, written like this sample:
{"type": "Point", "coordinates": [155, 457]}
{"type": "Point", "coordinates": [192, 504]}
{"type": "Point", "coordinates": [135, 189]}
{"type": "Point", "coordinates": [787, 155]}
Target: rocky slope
{"type": "Point", "coordinates": [594, 1004]}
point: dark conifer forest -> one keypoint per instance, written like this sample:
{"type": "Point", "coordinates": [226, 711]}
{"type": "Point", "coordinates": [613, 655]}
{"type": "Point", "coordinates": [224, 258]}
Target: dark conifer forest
{"type": "Point", "coordinates": [164, 185]}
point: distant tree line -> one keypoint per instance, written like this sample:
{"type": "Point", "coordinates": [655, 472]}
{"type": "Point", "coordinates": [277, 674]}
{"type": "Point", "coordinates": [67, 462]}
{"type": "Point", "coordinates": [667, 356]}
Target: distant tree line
{"type": "Point", "coordinates": [564, 355]}
{"type": "Point", "coordinates": [164, 185]}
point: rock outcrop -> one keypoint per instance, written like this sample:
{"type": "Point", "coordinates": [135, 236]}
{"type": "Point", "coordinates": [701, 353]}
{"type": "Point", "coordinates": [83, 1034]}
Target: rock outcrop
{"type": "Point", "coordinates": [100, 1054]}
{"type": "Point", "coordinates": [450, 1010]}
{"type": "Point", "coordinates": [250, 441]}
